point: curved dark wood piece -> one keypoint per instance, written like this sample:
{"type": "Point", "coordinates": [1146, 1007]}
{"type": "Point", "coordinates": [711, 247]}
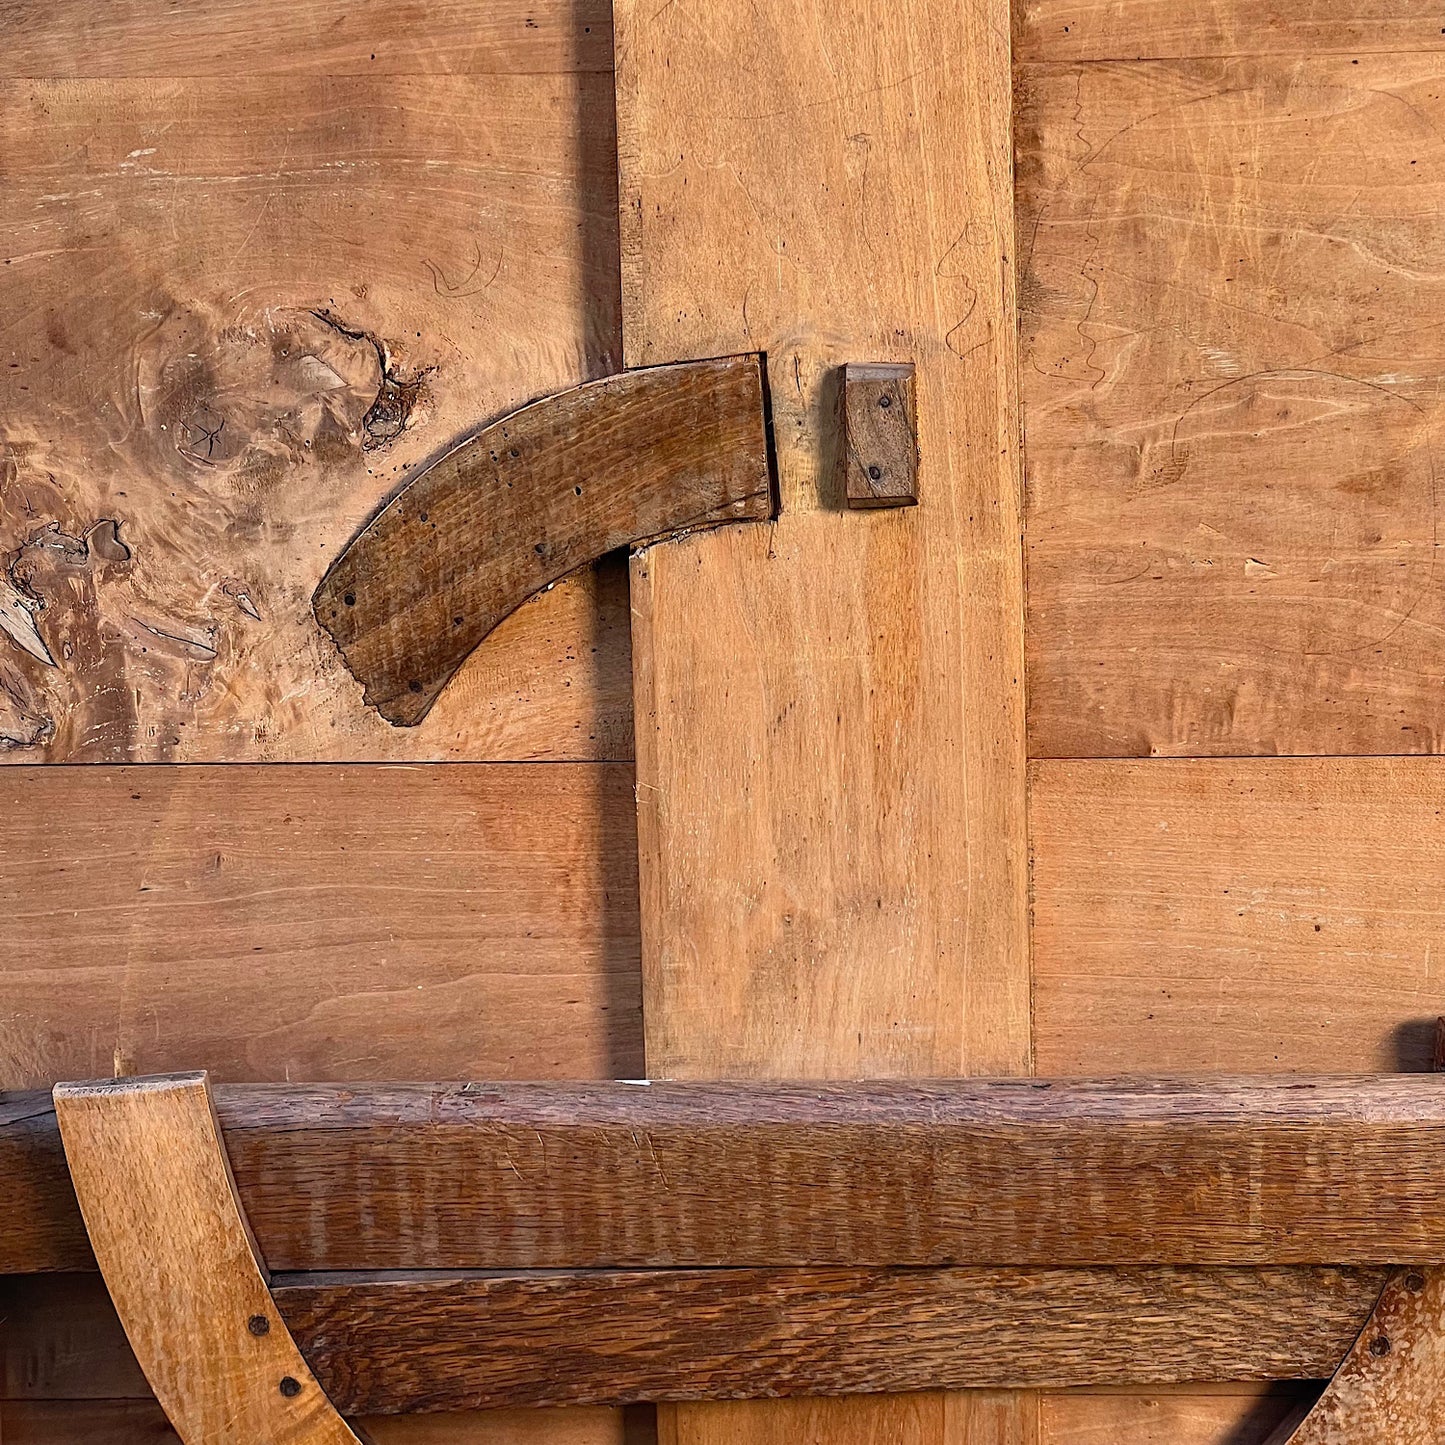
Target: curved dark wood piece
{"type": "Point", "coordinates": [619, 462]}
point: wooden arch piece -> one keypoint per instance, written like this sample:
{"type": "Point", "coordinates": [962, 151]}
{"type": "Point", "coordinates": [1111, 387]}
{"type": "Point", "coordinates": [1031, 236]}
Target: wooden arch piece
{"type": "Point", "coordinates": [160, 1206]}
{"type": "Point", "coordinates": [531, 498]}
{"type": "Point", "coordinates": [1390, 1389]}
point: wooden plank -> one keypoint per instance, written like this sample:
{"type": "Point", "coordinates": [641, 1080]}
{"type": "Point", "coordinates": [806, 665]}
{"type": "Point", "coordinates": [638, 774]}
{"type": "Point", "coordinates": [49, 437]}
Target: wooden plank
{"type": "Point", "coordinates": [1038, 1174]}
{"type": "Point", "coordinates": [830, 746]}
{"type": "Point", "coordinates": [1074, 30]}
{"type": "Point", "coordinates": [227, 38]}
{"type": "Point", "coordinates": [1236, 1416]}
{"type": "Point", "coordinates": [161, 1211]}
{"type": "Point", "coordinates": [880, 429]}
{"type": "Point", "coordinates": [1212, 915]}
{"type": "Point", "coordinates": [532, 499]}
{"type": "Point", "coordinates": [261, 920]}
{"type": "Point", "coordinates": [244, 313]}
{"type": "Point", "coordinates": [1231, 407]}
{"type": "Point", "coordinates": [613, 1337]}
{"type": "Point", "coordinates": [142, 1422]}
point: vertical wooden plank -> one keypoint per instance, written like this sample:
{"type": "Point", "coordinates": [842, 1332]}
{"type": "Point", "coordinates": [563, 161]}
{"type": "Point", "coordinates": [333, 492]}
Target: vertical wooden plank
{"type": "Point", "coordinates": [829, 708]}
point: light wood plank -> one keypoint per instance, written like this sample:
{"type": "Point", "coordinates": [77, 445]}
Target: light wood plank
{"type": "Point", "coordinates": [1234, 1416]}
{"type": "Point", "coordinates": [243, 313]}
{"type": "Point", "coordinates": [1233, 404]}
{"type": "Point", "coordinates": [1074, 30]}
{"type": "Point", "coordinates": [160, 1207]}
{"type": "Point", "coordinates": [1219, 915]}
{"type": "Point", "coordinates": [226, 38]}
{"type": "Point", "coordinates": [319, 923]}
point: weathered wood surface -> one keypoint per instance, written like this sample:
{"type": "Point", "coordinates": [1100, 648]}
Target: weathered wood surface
{"type": "Point", "coordinates": [1074, 30]}
{"type": "Point", "coordinates": [1232, 403]}
{"type": "Point", "coordinates": [160, 1208]}
{"type": "Point", "coordinates": [1392, 1384]}
{"type": "Point", "coordinates": [669, 1335]}
{"type": "Point", "coordinates": [830, 750]}
{"type": "Point", "coordinates": [224, 38]}
{"type": "Point", "coordinates": [243, 313]}
{"type": "Point", "coordinates": [531, 499]}
{"type": "Point", "coordinates": [447, 1342]}
{"type": "Point", "coordinates": [535, 1176]}
{"type": "Point", "coordinates": [1218, 915]}
{"type": "Point", "coordinates": [880, 431]}
{"type": "Point", "coordinates": [262, 920]}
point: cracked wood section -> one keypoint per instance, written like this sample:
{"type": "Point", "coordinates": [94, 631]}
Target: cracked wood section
{"type": "Point", "coordinates": [449, 1342]}
{"type": "Point", "coordinates": [241, 315]}
{"type": "Point", "coordinates": [1231, 384]}
{"type": "Point", "coordinates": [75, 40]}
{"type": "Point", "coordinates": [531, 499]}
{"type": "Point", "coordinates": [264, 918]}
{"type": "Point", "coordinates": [1212, 915]}
{"type": "Point", "coordinates": [160, 1207]}
{"type": "Point", "coordinates": [1074, 30]}
{"type": "Point", "coordinates": [990, 1172]}
{"type": "Point", "coordinates": [669, 1335]}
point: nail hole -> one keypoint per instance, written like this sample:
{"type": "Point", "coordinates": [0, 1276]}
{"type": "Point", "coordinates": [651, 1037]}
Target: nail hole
{"type": "Point", "coordinates": [1414, 1281]}
{"type": "Point", "coordinates": [259, 1325]}
{"type": "Point", "coordinates": [885, 402]}
{"type": "Point", "coordinates": [350, 599]}
{"type": "Point", "coordinates": [290, 1387]}
{"type": "Point", "coordinates": [1379, 1347]}
{"type": "Point", "coordinates": [414, 685]}
{"type": "Point", "coordinates": [876, 473]}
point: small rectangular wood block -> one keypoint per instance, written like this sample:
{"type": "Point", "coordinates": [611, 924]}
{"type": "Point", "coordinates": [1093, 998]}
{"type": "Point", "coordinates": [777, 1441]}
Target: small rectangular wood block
{"type": "Point", "coordinates": [880, 423]}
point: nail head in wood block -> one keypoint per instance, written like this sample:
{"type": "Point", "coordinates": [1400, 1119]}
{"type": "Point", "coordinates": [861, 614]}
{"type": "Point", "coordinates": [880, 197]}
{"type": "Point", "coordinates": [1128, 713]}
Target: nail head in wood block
{"type": "Point", "coordinates": [880, 420]}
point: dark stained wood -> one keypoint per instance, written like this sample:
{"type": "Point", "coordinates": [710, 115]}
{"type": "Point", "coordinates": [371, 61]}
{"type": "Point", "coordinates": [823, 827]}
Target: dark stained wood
{"type": "Point", "coordinates": [40, 1224]}
{"type": "Point", "coordinates": [322, 923]}
{"type": "Point", "coordinates": [615, 1338]}
{"type": "Point", "coordinates": [880, 427]}
{"type": "Point", "coordinates": [1008, 1173]}
{"type": "Point", "coordinates": [529, 500]}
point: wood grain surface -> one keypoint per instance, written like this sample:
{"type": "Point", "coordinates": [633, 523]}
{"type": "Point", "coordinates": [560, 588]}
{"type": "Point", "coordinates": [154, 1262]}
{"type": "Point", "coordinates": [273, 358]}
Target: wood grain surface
{"type": "Point", "coordinates": [830, 753]}
{"type": "Point", "coordinates": [244, 313]}
{"type": "Point", "coordinates": [442, 1342]}
{"type": "Point", "coordinates": [319, 923]}
{"type": "Point", "coordinates": [532, 499]}
{"type": "Point", "coordinates": [179, 1262]}
{"type": "Point", "coordinates": [1231, 386]}
{"type": "Point", "coordinates": [1264, 1171]}
{"type": "Point", "coordinates": [1074, 30]}
{"type": "Point", "coordinates": [880, 429]}
{"type": "Point", "coordinates": [1213, 915]}
{"type": "Point", "coordinates": [1185, 1415]}
{"type": "Point", "coordinates": [616, 1337]}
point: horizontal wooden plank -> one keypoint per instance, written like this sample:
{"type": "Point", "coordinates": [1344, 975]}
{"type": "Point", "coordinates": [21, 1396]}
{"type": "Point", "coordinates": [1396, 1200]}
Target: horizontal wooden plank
{"type": "Point", "coordinates": [1009, 1173]}
{"type": "Point", "coordinates": [243, 314]}
{"type": "Point", "coordinates": [226, 38]}
{"type": "Point", "coordinates": [395, 1344]}
{"type": "Point", "coordinates": [142, 1422]}
{"type": "Point", "coordinates": [1074, 30]}
{"type": "Point", "coordinates": [264, 921]}
{"type": "Point", "coordinates": [1247, 915]}
{"type": "Point", "coordinates": [618, 1337]}
{"type": "Point", "coordinates": [1232, 404]}
{"type": "Point", "coordinates": [1234, 1416]}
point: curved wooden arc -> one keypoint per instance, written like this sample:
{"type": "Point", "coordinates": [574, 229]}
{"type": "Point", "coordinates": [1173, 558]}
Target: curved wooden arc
{"type": "Point", "coordinates": [160, 1206]}
{"type": "Point", "coordinates": [1390, 1389]}
{"type": "Point", "coordinates": [510, 511]}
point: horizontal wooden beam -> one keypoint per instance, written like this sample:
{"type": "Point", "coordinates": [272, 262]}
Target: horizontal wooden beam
{"type": "Point", "coordinates": [461, 1342]}
{"type": "Point", "coordinates": [621, 1337]}
{"type": "Point", "coordinates": [1026, 1174]}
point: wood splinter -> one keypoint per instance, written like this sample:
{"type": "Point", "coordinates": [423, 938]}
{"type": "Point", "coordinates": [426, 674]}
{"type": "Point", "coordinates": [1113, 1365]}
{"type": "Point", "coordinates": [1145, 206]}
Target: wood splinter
{"type": "Point", "coordinates": [621, 462]}
{"type": "Point", "coordinates": [160, 1206]}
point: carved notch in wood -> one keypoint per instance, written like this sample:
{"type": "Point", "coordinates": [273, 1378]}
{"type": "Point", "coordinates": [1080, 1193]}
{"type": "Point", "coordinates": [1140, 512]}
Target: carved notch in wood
{"type": "Point", "coordinates": [620, 462]}
{"type": "Point", "coordinates": [160, 1206]}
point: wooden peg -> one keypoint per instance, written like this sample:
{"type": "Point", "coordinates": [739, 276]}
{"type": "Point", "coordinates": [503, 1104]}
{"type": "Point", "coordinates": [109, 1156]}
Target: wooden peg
{"type": "Point", "coordinates": [160, 1206]}
{"type": "Point", "coordinates": [880, 422]}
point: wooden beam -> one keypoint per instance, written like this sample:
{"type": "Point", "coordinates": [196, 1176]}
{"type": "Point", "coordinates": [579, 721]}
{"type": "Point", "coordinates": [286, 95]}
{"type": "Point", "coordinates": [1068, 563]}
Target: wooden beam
{"type": "Point", "coordinates": [1005, 1173]}
{"type": "Point", "coordinates": [531, 499]}
{"type": "Point", "coordinates": [160, 1207]}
